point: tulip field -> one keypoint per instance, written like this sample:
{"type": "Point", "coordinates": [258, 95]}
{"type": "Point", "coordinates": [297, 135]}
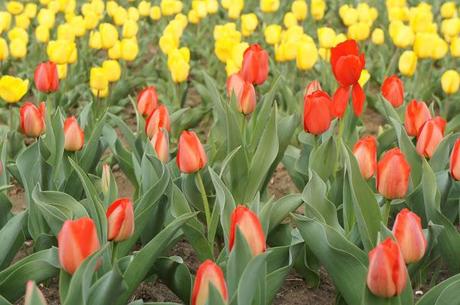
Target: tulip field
{"type": "Point", "coordinates": [229, 152]}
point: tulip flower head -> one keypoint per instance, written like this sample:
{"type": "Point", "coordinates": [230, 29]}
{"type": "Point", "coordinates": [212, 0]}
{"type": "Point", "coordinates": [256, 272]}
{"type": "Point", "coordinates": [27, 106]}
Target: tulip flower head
{"type": "Point", "coordinates": [431, 134]}
{"type": "Point", "coordinates": [393, 173]}
{"type": "Point", "coordinates": [120, 219]}
{"type": "Point", "coordinates": [417, 113]}
{"type": "Point", "coordinates": [318, 112]}
{"type": "Point", "coordinates": [46, 77]}
{"type": "Point", "coordinates": [208, 274]}
{"type": "Point", "coordinates": [255, 65]}
{"type": "Point", "coordinates": [250, 227]}
{"type": "Point", "coordinates": [147, 101]}
{"type": "Point", "coordinates": [365, 151]}
{"type": "Point", "coordinates": [157, 120]}
{"type": "Point", "coordinates": [76, 241]}
{"type": "Point", "coordinates": [160, 144]}
{"type": "Point", "coordinates": [12, 89]}
{"type": "Point", "coordinates": [312, 87]}
{"type": "Point", "coordinates": [408, 231]}
{"type": "Point", "coordinates": [393, 90]}
{"type": "Point", "coordinates": [191, 156]}
{"type": "Point", "coordinates": [455, 161]}
{"type": "Point", "coordinates": [387, 275]}
{"type": "Point", "coordinates": [32, 119]}
{"type": "Point", "coordinates": [244, 92]}
{"type": "Point", "coordinates": [73, 134]}
{"type": "Point", "coordinates": [347, 64]}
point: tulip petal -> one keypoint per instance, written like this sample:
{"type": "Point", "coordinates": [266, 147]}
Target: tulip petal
{"type": "Point", "coordinates": [340, 101]}
{"type": "Point", "coordinates": [358, 99]}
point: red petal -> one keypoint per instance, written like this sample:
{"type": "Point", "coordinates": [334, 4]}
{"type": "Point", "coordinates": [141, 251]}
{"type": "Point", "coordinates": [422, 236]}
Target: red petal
{"type": "Point", "coordinates": [358, 99]}
{"type": "Point", "coordinates": [340, 100]}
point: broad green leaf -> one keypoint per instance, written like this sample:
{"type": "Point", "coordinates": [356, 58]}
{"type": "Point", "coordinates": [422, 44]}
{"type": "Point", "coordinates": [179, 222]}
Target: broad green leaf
{"type": "Point", "coordinates": [12, 237]}
{"type": "Point", "coordinates": [35, 296]}
{"type": "Point", "coordinates": [445, 293]}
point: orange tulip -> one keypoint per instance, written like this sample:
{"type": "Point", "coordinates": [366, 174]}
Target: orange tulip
{"type": "Point", "coordinates": [365, 152]}
{"type": "Point", "coordinates": [244, 92]}
{"type": "Point", "coordinates": [160, 144]}
{"type": "Point", "coordinates": [120, 219]}
{"type": "Point", "coordinates": [191, 156]}
{"type": "Point", "coordinates": [417, 113]}
{"type": "Point", "coordinates": [393, 90]}
{"type": "Point", "coordinates": [147, 101]}
{"type": "Point", "coordinates": [208, 273]}
{"type": "Point", "coordinates": [157, 120]}
{"type": "Point", "coordinates": [74, 137]}
{"type": "Point", "coordinates": [393, 173]}
{"type": "Point", "coordinates": [255, 65]}
{"type": "Point", "coordinates": [430, 136]}
{"type": "Point", "coordinates": [317, 112]}
{"type": "Point", "coordinates": [32, 119]}
{"type": "Point", "coordinates": [455, 161]}
{"type": "Point", "coordinates": [46, 77]}
{"type": "Point", "coordinates": [249, 225]}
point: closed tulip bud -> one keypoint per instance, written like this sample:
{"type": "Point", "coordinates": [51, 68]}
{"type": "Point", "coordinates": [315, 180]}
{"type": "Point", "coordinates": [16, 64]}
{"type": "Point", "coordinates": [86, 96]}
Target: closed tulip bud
{"type": "Point", "coordinates": [255, 65]}
{"type": "Point", "coordinates": [272, 34]}
{"type": "Point", "coordinates": [46, 77]}
{"type": "Point", "coordinates": [393, 90]}
{"type": "Point", "coordinates": [289, 20]}
{"type": "Point", "coordinates": [450, 81]}
{"type": "Point", "coordinates": [12, 89]}
{"type": "Point", "coordinates": [159, 119]}
{"type": "Point", "coordinates": [249, 24]}
{"type": "Point", "coordinates": [318, 8]}
{"type": "Point", "coordinates": [61, 51]}
{"type": "Point", "coordinates": [430, 136]}
{"type": "Point", "coordinates": [359, 31]}
{"type": "Point", "coordinates": [32, 119]}
{"type": "Point", "coordinates": [129, 49]}
{"type": "Point", "coordinates": [18, 48]}
{"type": "Point", "coordinates": [455, 161]}
{"type": "Point", "coordinates": [326, 37]}
{"type": "Point", "coordinates": [109, 35]}
{"type": "Point", "coordinates": [130, 29]}
{"type": "Point", "coordinates": [378, 37]}
{"type": "Point", "coordinates": [105, 179]}
{"type": "Point", "coordinates": [147, 101]}
{"type": "Point", "coordinates": [387, 275]}
{"type": "Point", "coordinates": [115, 51]}
{"type": "Point", "coordinates": [155, 13]}
{"type": "Point", "coordinates": [208, 274]}
{"type": "Point", "coordinates": [62, 71]}
{"type": "Point", "coordinates": [408, 232]}
{"type": "Point", "coordinates": [112, 70]}
{"type": "Point", "coordinates": [98, 79]}
{"type": "Point", "coordinates": [76, 241]}
{"type": "Point", "coordinates": [317, 115]}
{"type": "Point", "coordinates": [300, 9]}
{"type": "Point", "coordinates": [417, 113]}
{"type": "Point", "coordinates": [407, 63]}
{"type": "Point", "coordinates": [191, 156]}
{"type": "Point", "coordinates": [244, 92]}
{"type": "Point", "coordinates": [269, 6]}
{"type": "Point", "coordinates": [307, 56]}
{"type": "Point", "coordinates": [4, 51]}
{"type": "Point", "coordinates": [144, 8]}
{"type": "Point", "coordinates": [393, 173]}
{"type": "Point", "coordinates": [15, 7]}
{"type": "Point", "coordinates": [74, 137]}
{"type": "Point", "coordinates": [160, 144]}
{"type": "Point", "coordinates": [120, 220]}
{"type": "Point", "coordinates": [33, 295]}
{"type": "Point", "coordinates": [250, 227]}
{"type": "Point", "coordinates": [22, 21]}
{"type": "Point", "coordinates": [42, 33]}
{"type": "Point", "coordinates": [365, 152]}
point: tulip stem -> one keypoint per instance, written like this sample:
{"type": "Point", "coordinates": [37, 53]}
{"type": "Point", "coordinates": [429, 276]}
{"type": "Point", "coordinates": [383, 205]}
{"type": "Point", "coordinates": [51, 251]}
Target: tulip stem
{"type": "Point", "coordinates": [207, 211]}
{"type": "Point", "coordinates": [386, 213]}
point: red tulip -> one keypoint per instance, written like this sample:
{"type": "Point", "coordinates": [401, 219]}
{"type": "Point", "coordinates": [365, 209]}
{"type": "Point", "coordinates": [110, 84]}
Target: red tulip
{"type": "Point", "coordinates": [393, 90]}
{"type": "Point", "coordinates": [365, 151]}
{"type": "Point", "coordinates": [317, 112]}
{"type": "Point", "coordinates": [455, 161]}
{"type": "Point", "coordinates": [430, 136]}
{"type": "Point", "coordinates": [387, 275]}
{"type": "Point", "coordinates": [249, 225]}
{"type": "Point", "coordinates": [76, 241]}
{"type": "Point", "coordinates": [244, 92]}
{"type": "Point", "coordinates": [32, 119]}
{"type": "Point", "coordinates": [417, 113]}
{"type": "Point", "coordinates": [408, 231]}
{"type": "Point", "coordinates": [120, 218]}
{"type": "Point", "coordinates": [191, 156]}
{"type": "Point", "coordinates": [312, 87]}
{"type": "Point", "coordinates": [255, 65]}
{"type": "Point", "coordinates": [157, 120]}
{"type": "Point", "coordinates": [46, 77]}
{"type": "Point", "coordinates": [393, 173]}
{"type": "Point", "coordinates": [147, 101]}
{"type": "Point", "coordinates": [74, 137]}
{"type": "Point", "coordinates": [347, 65]}
{"type": "Point", "coordinates": [160, 144]}
{"type": "Point", "coordinates": [208, 273]}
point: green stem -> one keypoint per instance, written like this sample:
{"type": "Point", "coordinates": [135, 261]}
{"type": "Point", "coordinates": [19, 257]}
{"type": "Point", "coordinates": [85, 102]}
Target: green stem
{"type": "Point", "coordinates": [10, 121]}
{"type": "Point", "coordinates": [114, 252]}
{"type": "Point", "coordinates": [386, 212]}
{"type": "Point", "coordinates": [207, 211]}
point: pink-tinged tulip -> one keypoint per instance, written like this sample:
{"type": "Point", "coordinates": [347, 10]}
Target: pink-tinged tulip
{"type": "Point", "coordinates": [455, 161]}
{"type": "Point", "coordinates": [76, 241]}
{"type": "Point", "coordinates": [74, 137]}
{"type": "Point", "coordinates": [312, 87]}
{"type": "Point", "coordinates": [365, 152]}
{"type": "Point", "coordinates": [249, 225]}
{"type": "Point", "coordinates": [417, 113]}
{"type": "Point", "coordinates": [244, 93]}
{"type": "Point", "coordinates": [235, 84]}
{"type": "Point", "coordinates": [208, 273]}
{"type": "Point", "coordinates": [430, 136]}
{"type": "Point", "coordinates": [317, 112]}
{"type": "Point", "coordinates": [393, 90]}
{"type": "Point", "coordinates": [147, 101]}
{"type": "Point", "coordinates": [393, 173]}
{"type": "Point", "coordinates": [46, 77]}
{"type": "Point", "coordinates": [160, 144]}
{"type": "Point", "coordinates": [158, 120]}
{"type": "Point", "coordinates": [33, 295]}
{"type": "Point", "coordinates": [255, 65]}
{"type": "Point", "coordinates": [387, 274]}
{"type": "Point", "coordinates": [191, 156]}
{"type": "Point", "coordinates": [32, 119]}
{"type": "Point", "coordinates": [120, 218]}
{"type": "Point", "coordinates": [408, 231]}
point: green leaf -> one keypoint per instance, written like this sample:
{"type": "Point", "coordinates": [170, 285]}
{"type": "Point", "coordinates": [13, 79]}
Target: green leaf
{"type": "Point", "coordinates": [323, 158]}
{"type": "Point", "coordinates": [252, 280]}
{"type": "Point", "coordinates": [35, 297]}
{"type": "Point", "coordinates": [12, 238]}
{"type": "Point", "coordinates": [445, 293]}
{"type": "Point", "coordinates": [108, 288]}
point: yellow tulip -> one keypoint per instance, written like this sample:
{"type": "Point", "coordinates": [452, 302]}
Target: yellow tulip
{"type": "Point", "coordinates": [300, 9]}
{"type": "Point", "coordinates": [269, 6]}
{"type": "Point", "coordinates": [318, 8]}
{"type": "Point", "coordinates": [95, 41]}
{"type": "Point", "coordinates": [424, 44]}
{"type": "Point", "coordinates": [101, 93]}
{"type": "Point", "coordinates": [200, 8]}
{"type": "Point", "coordinates": [178, 66]}
{"type": "Point", "coordinates": [144, 8]}
{"type": "Point", "coordinates": [61, 51]}
{"type": "Point", "coordinates": [339, 38]}
{"type": "Point", "coordinates": [91, 20]}
{"type": "Point", "coordinates": [98, 79]}
{"type": "Point", "coordinates": [248, 24]}
{"type": "Point", "coordinates": [407, 63]}
{"type": "Point", "coordinates": [364, 77]}
{"type": "Point", "coordinates": [378, 36]}
{"type": "Point", "coordinates": [212, 6]}
{"type": "Point", "coordinates": [325, 54]}
{"type": "Point", "coordinates": [112, 70]}
{"type": "Point", "coordinates": [307, 56]}
{"type": "Point", "coordinates": [129, 49]}
{"type": "Point", "coordinates": [193, 17]}
{"type": "Point", "coordinates": [326, 37]}
{"type": "Point", "coordinates": [403, 37]}
{"type": "Point", "coordinates": [272, 33]}
{"type": "Point", "coordinates": [168, 43]}
{"type": "Point", "coordinates": [15, 7]}
{"type": "Point", "coordinates": [448, 9]}
{"type": "Point", "coordinates": [182, 20]}
{"type": "Point", "coordinates": [62, 71]}
{"type": "Point", "coordinates": [440, 48]}
{"type": "Point", "coordinates": [4, 51]}
{"type": "Point", "coordinates": [450, 81]}
{"type": "Point", "coordinates": [46, 18]}
{"type": "Point", "coordinates": [22, 21]}
{"type": "Point", "coordinates": [289, 20]}
{"type": "Point", "coordinates": [155, 13]}
{"type": "Point", "coordinates": [78, 25]}
{"type": "Point", "coordinates": [349, 15]}
{"type": "Point", "coordinates": [421, 20]}
{"type": "Point", "coordinates": [12, 89]}
{"type": "Point", "coordinates": [237, 54]}
{"type": "Point", "coordinates": [234, 11]}
{"type": "Point", "coordinates": [18, 33]}
{"type": "Point", "coordinates": [450, 27]}
{"type": "Point", "coordinates": [115, 51]}
{"type": "Point", "coordinates": [120, 16]}
{"type": "Point", "coordinates": [5, 21]}
{"type": "Point", "coordinates": [133, 14]}
{"type": "Point", "coordinates": [130, 29]}
{"type": "Point", "coordinates": [455, 47]}
{"type": "Point", "coordinates": [168, 7]}
{"type": "Point", "coordinates": [42, 33]}
{"type": "Point", "coordinates": [30, 10]}
{"type": "Point", "coordinates": [65, 32]}
{"type": "Point", "coordinates": [359, 31]}
{"type": "Point", "coordinates": [111, 8]}
{"type": "Point", "coordinates": [109, 35]}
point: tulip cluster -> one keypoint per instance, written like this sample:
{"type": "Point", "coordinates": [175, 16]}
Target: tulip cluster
{"type": "Point", "coordinates": [359, 20]}
{"type": "Point", "coordinates": [228, 47]}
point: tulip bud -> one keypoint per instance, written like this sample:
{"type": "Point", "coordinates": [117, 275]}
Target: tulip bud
{"type": "Point", "coordinates": [120, 219]}
{"type": "Point", "coordinates": [98, 79]}
{"type": "Point", "coordinates": [312, 87]}
{"type": "Point", "coordinates": [430, 136]}
{"type": "Point", "coordinates": [147, 101]}
{"type": "Point", "coordinates": [317, 113]}
{"type": "Point", "coordinates": [255, 65]}
{"type": "Point", "coordinates": [12, 89]}
{"type": "Point", "coordinates": [244, 92]}
{"type": "Point", "coordinates": [408, 231]}
{"type": "Point", "coordinates": [407, 63]}
{"type": "Point", "coordinates": [191, 156]}
{"type": "Point", "coordinates": [157, 120]}
{"type": "Point", "coordinates": [378, 37]}
{"type": "Point", "coordinates": [33, 295]}
{"type": "Point", "coordinates": [250, 227]}
{"type": "Point", "coordinates": [417, 113]}
{"type": "Point", "coordinates": [73, 134]}
{"type": "Point", "coordinates": [365, 152]}
{"type": "Point", "coordinates": [32, 119]}
{"type": "Point", "coordinates": [455, 161]}
{"type": "Point", "coordinates": [393, 173]}
{"type": "Point", "coordinates": [450, 81]}
{"type": "Point", "coordinates": [208, 273]}
{"type": "Point", "coordinates": [105, 179]}
{"type": "Point", "coordinates": [393, 90]}
{"type": "Point", "coordinates": [46, 77]}
{"type": "Point", "coordinates": [387, 275]}
{"type": "Point", "coordinates": [112, 70]}
{"type": "Point", "coordinates": [160, 144]}
{"type": "Point", "coordinates": [76, 241]}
